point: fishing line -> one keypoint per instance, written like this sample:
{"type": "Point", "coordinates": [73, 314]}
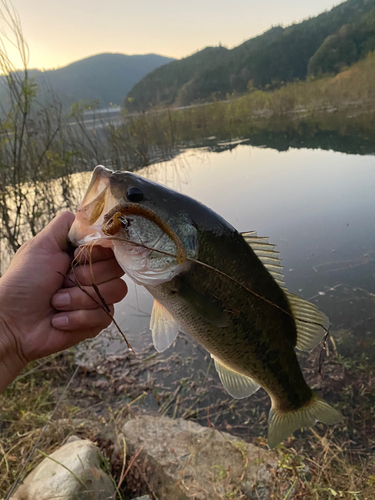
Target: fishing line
{"type": "Point", "coordinates": [88, 257]}
{"type": "Point", "coordinates": [101, 304]}
{"type": "Point", "coordinates": [195, 261]}
{"type": "Point", "coordinates": [105, 307]}
{"type": "Point", "coordinates": [113, 224]}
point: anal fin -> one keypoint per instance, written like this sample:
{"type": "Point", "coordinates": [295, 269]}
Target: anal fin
{"type": "Point", "coordinates": [163, 326]}
{"type": "Point", "coordinates": [238, 386]}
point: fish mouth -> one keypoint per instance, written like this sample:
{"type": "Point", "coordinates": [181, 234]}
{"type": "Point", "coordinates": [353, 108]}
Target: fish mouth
{"type": "Point", "coordinates": [94, 200]}
{"type": "Point", "coordinates": [102, 216]}
{"type": "Point", "coordinates": [144, 239]}
{"type": "Point", "coordinates": [116, 220]}
{"type": "Point", "coordinates": [89, 216]}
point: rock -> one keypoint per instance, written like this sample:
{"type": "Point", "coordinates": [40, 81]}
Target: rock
{"type": "Point", "coordinates": [183, 460]}
{"type": "Point", "coordinates": [73, 472]}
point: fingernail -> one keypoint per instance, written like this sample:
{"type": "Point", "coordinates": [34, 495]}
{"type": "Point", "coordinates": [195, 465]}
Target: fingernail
{"type": "Point", "coordinates": [60, 321]}
{"type": "Point", "coordinates": [61, 299]}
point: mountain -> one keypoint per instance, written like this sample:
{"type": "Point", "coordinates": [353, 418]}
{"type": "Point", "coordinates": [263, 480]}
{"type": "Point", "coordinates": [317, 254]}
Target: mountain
{"type": "Point", "coordinates": [345, 47]}
{"type": "Point", "coordinates": [106, 77]}
{"type": "Point", "coordinates": [163, 86]}
{"type": "Point", "coordinates": [267, 61]}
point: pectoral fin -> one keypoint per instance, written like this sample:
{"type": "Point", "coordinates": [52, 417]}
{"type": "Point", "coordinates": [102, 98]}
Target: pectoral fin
{"type": "Point", "coordinates": [163, 326]}
{"type": "Point", "coordinates": [203, 304]}
{"type": "Point", "coordinates": [237, 385]}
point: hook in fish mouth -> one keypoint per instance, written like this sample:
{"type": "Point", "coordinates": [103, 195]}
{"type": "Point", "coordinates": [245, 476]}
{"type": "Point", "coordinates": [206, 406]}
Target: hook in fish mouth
{"type": "Point", "coordinates": [114, 221]}
{"type": "Point", "coordinates": [114, 224]}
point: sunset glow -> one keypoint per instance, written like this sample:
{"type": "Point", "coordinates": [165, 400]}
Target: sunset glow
{"type": "Point", "coordinates": [62, 32]}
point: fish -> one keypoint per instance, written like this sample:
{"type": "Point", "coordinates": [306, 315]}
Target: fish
{"type": "Point", "coordinates": [223, 288]}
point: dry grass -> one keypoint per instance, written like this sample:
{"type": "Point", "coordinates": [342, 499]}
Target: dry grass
{"type": "Point", "coordinates": [26, 407]}
{"type": "Point", "coordinates": [319, 464]}
{"type": "Point", "coordinates": [25, 421]}
{"type": "Point", "coordinates": [341, 104]}
{"type": "Point", "coordinates": [321, 469]}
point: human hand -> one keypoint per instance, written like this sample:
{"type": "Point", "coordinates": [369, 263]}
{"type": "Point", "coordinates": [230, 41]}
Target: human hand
{"type": "Point", "coordinates": [40, 312]}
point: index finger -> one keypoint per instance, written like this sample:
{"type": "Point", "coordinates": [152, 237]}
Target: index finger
{"type": "Point", "coordinates": [92, 253]}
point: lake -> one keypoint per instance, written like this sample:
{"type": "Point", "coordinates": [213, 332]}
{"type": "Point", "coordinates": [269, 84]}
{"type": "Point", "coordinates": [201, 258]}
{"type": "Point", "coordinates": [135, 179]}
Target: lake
{"type": "Point", "coordinates": [317, 206]}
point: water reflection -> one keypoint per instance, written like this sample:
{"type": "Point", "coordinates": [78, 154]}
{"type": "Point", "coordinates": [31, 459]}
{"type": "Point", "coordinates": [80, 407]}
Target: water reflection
{"type": "Point", "coordinates": [343, 131]}
{"type": "Point", "coordinates": [318, 208]}
{"type": "Point", "coordinates": [302, 137]}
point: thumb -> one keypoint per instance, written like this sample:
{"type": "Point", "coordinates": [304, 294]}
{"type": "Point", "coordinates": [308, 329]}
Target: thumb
{"type": "Point", "coordinates": [56, 232]}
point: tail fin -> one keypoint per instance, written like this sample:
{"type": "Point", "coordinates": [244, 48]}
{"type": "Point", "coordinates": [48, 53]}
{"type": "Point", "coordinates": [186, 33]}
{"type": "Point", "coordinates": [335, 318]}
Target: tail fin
{"type": "Point", "coordinates": [281, 424]}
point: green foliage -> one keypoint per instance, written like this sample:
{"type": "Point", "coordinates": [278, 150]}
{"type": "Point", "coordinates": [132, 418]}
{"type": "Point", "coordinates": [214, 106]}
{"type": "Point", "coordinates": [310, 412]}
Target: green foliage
{"type": "Point", "coordinates": [266, 61]}
{"type": "Point", "coordinates": [295, 115]}
{"type": "Point", "coordinates": [78, 108]}
{"type": "Point", "coordinates": [29, 90]}
{"type": "Point", "coordinates": [349, 44]}
{"type": "Point", "coordinates": [164, 86]}
{"type": "Point", "coordinates": [221, 472]}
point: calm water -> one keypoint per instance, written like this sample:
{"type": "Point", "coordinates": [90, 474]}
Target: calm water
{"type": "Point", "coordinates": [317, 206]}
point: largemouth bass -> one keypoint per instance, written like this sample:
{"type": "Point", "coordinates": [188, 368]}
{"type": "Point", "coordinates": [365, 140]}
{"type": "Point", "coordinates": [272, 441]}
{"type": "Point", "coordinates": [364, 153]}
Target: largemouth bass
{"type": "Point", "coordinates": [223, 288]}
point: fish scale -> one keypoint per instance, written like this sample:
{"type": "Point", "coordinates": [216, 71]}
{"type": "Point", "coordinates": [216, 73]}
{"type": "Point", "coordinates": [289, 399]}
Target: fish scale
{"type": "Point", "coordinates": [250, 351]}
{"type": "Point", "coordinates": [223, 288]}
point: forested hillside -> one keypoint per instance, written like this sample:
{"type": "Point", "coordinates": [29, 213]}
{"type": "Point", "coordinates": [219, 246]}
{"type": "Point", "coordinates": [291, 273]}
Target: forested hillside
{"type": "Point", "coordinates": [349, 44]}
{"type": "Point", "coordinates": [106, 77]}
{"type": "Point", "coordinates": [163, 86]}
{"type": "Point", "coordinates": [322, 44]}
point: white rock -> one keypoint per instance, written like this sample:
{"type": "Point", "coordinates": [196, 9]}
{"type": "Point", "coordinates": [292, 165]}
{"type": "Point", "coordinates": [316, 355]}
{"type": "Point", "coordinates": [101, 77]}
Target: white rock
{"type": "Point", "coordinates": [73, 472]}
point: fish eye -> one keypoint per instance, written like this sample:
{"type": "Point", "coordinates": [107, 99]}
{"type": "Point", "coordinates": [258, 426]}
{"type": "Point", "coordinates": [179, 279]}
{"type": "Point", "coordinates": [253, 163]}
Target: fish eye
{"type": "Point", "coordinates": [134, 194]}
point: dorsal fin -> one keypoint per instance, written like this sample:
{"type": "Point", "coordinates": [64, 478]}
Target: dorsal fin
{"type": "Point", "coordinates": [267, 254]}
{"type": "Point", "coordinates": [311, 323]}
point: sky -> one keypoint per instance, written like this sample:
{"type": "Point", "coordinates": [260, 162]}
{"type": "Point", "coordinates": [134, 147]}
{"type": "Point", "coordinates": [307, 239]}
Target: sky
{"type": "Point", "coordinates": [62, 31]}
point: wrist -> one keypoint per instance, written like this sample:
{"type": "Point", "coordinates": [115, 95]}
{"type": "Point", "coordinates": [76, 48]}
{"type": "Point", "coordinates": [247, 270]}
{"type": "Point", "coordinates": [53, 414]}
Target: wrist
{"type": "Point", "coordinates": [12, 361]}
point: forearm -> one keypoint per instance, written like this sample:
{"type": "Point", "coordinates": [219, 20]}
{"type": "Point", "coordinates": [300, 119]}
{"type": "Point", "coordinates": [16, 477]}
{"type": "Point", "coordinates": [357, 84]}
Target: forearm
{"type": "Point", "coordinates": [11, 362]}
